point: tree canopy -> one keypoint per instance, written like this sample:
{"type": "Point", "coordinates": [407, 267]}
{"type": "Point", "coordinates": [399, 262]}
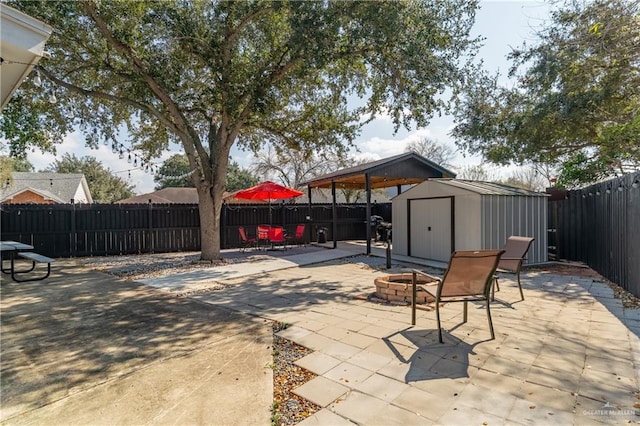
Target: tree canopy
{"type": "Point", "coordinates": [576, 103]}
{"type": "Point", "coordinates": [104, 186]}
{"type": "Point", "coordinates": [211, 74]}
{"type": "Point", "coordinates": [174, 172]}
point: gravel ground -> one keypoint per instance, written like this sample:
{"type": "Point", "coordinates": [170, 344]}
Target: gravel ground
{"type": "Point", "coordinates": [288, 408]}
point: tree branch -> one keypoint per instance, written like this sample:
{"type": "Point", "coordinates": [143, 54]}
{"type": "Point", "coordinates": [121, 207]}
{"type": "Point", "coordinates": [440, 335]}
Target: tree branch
{"type": "Point", "coordinates": [106, 96]}
{"type": "Point", "coordinates": [179, 123]}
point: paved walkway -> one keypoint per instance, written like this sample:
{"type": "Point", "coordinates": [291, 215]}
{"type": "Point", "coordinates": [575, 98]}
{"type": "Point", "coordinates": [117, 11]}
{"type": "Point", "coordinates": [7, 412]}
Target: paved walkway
{"type": "Point", "coordinates": [568, 354]}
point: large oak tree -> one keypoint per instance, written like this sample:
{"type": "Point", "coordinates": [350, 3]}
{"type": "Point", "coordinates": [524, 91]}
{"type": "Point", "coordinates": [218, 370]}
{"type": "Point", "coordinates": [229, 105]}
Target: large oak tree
{"type": "Point", "coordinates": [210, 74]}
{"type": "Point", "coordinates": [576, 103]}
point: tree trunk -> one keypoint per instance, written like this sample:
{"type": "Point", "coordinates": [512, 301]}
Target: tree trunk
{"type": "Point", "coordinates": [209, 224]}
{"type": "Point", "coordinates": [211, 194]}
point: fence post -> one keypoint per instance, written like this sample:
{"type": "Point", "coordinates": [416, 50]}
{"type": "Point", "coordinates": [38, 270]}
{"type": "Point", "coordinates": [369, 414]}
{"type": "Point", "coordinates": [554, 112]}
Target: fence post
{"type": "Point", "coordinates": [74, 237]}
{"type": "Point", "coordinates": [223, 226]}
{"type": "Point", "coordinates": [150, 242]}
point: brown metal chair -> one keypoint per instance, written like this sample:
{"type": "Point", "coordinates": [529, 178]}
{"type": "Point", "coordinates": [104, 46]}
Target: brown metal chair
{"type": "Point", "coordinates": [468, 278]}
{"type": "Point", "coordinates": [515, 252]}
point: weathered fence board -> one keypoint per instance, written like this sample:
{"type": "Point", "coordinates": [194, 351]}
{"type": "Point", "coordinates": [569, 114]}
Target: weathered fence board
{"type": "Point", "coordinates": [73, 230]}
{"type": "Point", "coordinates": [600, 226]}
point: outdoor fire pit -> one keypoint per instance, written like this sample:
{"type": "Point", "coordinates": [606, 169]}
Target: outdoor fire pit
{"type": "Point", "coordinates": [397, 288]}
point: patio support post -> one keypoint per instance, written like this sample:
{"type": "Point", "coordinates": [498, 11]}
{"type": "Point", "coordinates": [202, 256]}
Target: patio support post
{"type": "Point", "coordinates": [367, 187]}
{"type": "Point", "coordinates": [334, 208]}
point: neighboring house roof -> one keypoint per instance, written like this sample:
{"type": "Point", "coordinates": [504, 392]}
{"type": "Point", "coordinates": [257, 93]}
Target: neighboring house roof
{"type": "Point", "coordinates": [178, 196]}
{"type": "Point", "coordinates": [60, 187]}
{"type": "Point", "coordinates": [165, 196]}
{"type": "Point", "coordinates": [403, 169]}
{"type": "Point", "coordinates": [488, 188]}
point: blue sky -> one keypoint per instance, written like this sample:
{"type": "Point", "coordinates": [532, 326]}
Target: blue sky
{"type": "Point", "coordinates": [504, 24]}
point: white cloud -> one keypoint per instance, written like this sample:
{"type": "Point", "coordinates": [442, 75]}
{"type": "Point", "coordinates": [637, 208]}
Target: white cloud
{"type": "Point", "coordinates": [377, 147]}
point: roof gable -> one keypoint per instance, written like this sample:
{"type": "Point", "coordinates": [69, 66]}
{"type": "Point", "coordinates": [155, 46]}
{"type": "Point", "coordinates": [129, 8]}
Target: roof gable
{"type": "Point", "coordinates": [62, 187]}
{"type": "Point", "coordinates": [403, 169]}
{"type": "Point", "coordinates": [46, 195]}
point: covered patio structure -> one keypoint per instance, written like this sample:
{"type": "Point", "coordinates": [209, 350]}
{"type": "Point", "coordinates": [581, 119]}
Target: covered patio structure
{"type": "Point", "coordinates": [408, 168]}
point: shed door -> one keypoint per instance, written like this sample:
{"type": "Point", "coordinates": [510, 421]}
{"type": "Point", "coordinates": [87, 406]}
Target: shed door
{"type": "Point", "coordinates": [430, 229]}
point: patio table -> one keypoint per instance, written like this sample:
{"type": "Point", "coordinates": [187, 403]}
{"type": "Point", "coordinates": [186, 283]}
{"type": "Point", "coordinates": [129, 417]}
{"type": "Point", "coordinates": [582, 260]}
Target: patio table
{"type": "Point", "coordinates": [13, 247]}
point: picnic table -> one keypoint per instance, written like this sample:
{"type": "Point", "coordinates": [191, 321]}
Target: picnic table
{"type": "Point", "coordinates": [18, 249]}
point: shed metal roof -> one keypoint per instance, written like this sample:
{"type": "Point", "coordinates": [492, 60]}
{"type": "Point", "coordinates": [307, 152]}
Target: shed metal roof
{"type": "Point", "coordinates": [403, 169]}
{"type": "Point", "coordinates": [489, 188]}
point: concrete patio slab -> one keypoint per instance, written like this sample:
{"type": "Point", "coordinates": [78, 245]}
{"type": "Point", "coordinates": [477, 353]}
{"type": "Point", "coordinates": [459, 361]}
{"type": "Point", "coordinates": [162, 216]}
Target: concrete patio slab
{"type": "Point", "coordinates": [86, 348]}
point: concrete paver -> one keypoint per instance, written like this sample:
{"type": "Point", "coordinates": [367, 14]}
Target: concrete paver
{"type": "Point", "coordinates": [534, 371]}
{"type": "Point", "coordinates": [321, 391]}
{"type": "Point", "coordinates": [317, 362]}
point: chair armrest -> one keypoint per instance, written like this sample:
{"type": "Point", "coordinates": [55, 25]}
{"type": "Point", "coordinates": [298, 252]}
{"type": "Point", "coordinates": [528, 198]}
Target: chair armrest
{"type": "Point", "coordinates": [433, 277]}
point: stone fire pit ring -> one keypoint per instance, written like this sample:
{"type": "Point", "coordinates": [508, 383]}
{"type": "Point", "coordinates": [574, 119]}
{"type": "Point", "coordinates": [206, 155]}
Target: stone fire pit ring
{"type": "Point", "coordinates": [397, 288]}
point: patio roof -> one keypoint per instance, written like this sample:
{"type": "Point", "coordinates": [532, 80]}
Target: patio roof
{"type": "Point", "coordinates": [403, 169]}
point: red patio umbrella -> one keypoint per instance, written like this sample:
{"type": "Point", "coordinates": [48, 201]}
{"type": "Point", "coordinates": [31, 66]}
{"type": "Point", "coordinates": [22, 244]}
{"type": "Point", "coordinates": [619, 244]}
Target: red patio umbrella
{"type": "Point", "coordinates": [268, 191]}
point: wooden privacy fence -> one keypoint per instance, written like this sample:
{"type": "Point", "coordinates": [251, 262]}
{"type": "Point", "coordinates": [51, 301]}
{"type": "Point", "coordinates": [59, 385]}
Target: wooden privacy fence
{"type": "Point", "coordinates": [600, 226]}
{"type": "Point", "coordinates": [75, 230]}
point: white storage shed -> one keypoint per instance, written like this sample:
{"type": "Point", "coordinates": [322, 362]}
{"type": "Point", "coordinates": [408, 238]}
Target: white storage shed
{"type": "Point", "coordinates": [439, 216]}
